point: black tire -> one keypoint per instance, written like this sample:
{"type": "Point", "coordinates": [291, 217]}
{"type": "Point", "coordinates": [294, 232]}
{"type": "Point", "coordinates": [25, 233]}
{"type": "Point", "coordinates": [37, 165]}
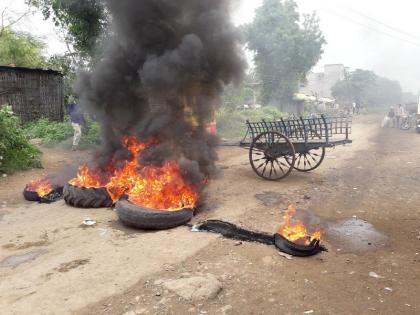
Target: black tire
{"type": "Point", "coordinates": [82, 197]}
{"type": "Point", "coordinates": [31, 195]}
{"type": "Point", "coordinates": [151, 219]}
{"type": "Point", "coordinates": [297, 250]}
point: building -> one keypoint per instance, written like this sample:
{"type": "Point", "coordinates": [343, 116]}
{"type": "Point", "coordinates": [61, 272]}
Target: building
{"type": "Point", "coordinates": [32, 93]}
{"type": "Point", "coordinates": [320, 84]}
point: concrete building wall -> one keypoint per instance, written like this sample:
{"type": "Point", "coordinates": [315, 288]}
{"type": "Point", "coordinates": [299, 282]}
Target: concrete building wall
{"type": "Point", "coordinates": [321, 83]}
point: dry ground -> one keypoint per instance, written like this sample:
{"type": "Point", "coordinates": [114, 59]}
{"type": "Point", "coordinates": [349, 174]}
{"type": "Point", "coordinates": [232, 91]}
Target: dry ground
{"type": "Point", "coordinates": [109, 269]}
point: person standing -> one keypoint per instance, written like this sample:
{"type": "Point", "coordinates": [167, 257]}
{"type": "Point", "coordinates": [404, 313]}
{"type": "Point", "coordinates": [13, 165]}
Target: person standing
{"type": "Point", "coordinates": [77, 120]}
{"type": "Point", "coordinates": [399, 114]}
{"type": "Point", "coordinates": [391, 115]}
{"type": "Point", "coordinates": [358, 106]}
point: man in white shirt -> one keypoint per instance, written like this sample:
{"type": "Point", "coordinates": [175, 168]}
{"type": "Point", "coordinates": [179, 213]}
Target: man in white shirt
{"type": "Point", "coordinates": [399, 114]}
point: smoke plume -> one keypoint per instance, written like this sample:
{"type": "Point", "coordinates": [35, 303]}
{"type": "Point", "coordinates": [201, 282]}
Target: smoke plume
{"type": "Point", "coordinates": [164, 67]}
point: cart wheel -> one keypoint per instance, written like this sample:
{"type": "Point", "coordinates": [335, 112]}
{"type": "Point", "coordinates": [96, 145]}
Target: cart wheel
{"type": "Point", "coordinates": [272, 155]}
{"type": "Point", "coordinates": [308, 161]}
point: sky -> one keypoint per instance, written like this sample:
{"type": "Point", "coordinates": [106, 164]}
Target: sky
{"type": "Point", "coordinates": [378, 35]}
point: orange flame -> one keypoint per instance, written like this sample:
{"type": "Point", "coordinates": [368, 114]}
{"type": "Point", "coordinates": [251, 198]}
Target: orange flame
{"type": "Point", "coordinates": [148, 186]}
{"type": "Point", "coordinates": [124, 179]}
{"type": "Point", "coordinates": [87, 178]}
{"type": "Point", "coordinates": [296, 231]}
{"type": "Point", "coordinates": [42, 187]}
{"type": "Point", "coordinates": [163, 188]}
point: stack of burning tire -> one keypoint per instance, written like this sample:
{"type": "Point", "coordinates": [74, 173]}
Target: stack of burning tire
{"type": "Point", "coordinates": [145, 197]}
{"type": "Point", "coordinates": [130, 214]}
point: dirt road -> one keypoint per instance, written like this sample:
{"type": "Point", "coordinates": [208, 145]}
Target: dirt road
{"type": "Point", "coordinates": [50, 264]}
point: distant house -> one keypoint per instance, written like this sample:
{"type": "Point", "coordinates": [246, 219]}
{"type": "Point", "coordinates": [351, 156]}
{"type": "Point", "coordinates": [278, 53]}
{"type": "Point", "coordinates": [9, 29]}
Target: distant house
{"type": "Point", "coordinates": [33, 93]}
{"type": "Point", "coordinates": [320, 83]}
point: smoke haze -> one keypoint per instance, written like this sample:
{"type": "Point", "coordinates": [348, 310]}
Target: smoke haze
{"type": "Point", "coordinates": [163, 70]}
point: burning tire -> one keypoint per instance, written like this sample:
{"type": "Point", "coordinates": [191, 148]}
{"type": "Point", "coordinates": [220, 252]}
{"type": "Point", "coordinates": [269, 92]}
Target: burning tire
{"type": "Point", "coordinates": [298, 250]}
{"type": "Point", "coordinates": [82, 197]}
{"type": "Point", "coordinates": [31, 195]}
{"type": "Point", "coordinates": [52, 196]}
{"type": "Point", "coordinates": [151, 219]}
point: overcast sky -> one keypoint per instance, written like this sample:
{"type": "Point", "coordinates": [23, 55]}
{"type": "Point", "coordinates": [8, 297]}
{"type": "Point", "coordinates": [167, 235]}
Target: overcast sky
{"type": "Point", "coordinates": [378, 35]}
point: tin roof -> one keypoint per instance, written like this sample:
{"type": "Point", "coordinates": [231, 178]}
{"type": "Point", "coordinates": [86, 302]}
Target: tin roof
{"type": "Point", "coordinates": [23, 69]}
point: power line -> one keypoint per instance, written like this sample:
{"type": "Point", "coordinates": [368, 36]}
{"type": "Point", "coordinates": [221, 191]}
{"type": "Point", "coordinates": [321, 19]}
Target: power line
{"type": "Point", "coordinates": [370, 27]}
{"type": "Point", "coordinates": [417, 38]}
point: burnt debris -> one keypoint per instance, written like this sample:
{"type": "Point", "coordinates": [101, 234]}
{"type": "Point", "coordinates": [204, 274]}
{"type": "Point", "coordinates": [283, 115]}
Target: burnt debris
{"type": "Point", "coordinates": [234, 232]}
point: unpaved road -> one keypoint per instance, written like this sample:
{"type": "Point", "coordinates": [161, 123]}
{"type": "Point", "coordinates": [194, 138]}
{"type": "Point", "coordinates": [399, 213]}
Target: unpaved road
{"type": "Point", "coordinates": [49, 264]}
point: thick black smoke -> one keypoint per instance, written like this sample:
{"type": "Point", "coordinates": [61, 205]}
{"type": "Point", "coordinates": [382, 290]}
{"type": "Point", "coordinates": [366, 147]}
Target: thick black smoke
{"type": "Point", "coordinates": [161, 76]}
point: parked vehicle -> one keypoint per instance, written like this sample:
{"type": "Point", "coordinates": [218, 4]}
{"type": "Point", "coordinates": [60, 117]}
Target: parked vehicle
{"type": "Point", "coordinates": [409, 122]}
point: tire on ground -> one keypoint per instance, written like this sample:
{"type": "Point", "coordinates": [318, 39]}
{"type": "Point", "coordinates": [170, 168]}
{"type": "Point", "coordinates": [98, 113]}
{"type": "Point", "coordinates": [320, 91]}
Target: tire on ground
{"type": "Point", "coordinates": [82, 197]}
{"type": "Point", "coordinates": [31, 195]}
{"type": "Point", "coordinates": [151, 219]}
{"type": "Point", "coordinates": [294, 249]}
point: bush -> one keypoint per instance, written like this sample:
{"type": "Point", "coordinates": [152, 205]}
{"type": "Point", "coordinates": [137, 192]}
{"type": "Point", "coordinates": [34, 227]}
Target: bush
{"type": "Point", "coordinates": [53, 133]}
{"type": "Point", "coordinates": [16, 153]}
{"type": "Point", "coordinates": [50, 132]}
{"type": "Point", "coordinates": [232, 124]}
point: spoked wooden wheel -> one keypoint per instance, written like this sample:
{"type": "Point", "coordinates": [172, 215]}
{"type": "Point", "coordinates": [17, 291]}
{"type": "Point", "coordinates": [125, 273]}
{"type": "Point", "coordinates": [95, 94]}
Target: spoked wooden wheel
{"type": "Point", "coordinates": [308, 161]}
{"type": "Point", "coordinates": [272, 155]}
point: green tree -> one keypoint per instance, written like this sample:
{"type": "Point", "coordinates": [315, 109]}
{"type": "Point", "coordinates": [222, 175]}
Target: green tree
{"type": "Point", "coordinates": [365, 87]}
{"type": "Point", "coordinates": [84, 21]}
{"type": "Point", "coordinates": [245, 93]}
{"type": "Point", "coordinates": [20, 49]}
{"type": "Point", "coordinates": [384, 92]}
{"type": "Point", "coordinates": [67, 66]}
{"type": "Point", "coordinates": [354, 87]}
{"type": "Point", "coordinates": [286, 47]}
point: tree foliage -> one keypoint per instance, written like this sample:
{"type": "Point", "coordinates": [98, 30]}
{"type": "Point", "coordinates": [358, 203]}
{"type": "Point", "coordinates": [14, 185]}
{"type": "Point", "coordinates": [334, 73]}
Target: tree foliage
{"type": "Point", "coordinates": [21, 49]}
{"type": "Point", "coordinates": [84, 21]}
{"type": "Point", "coordinates": [16, 153]}
{"type": "Point", "coordinates": [67, 66]}
{"type": "Point", "coordinates": [366, 88]}
{"type": "Point", "coordinates": [384, 92]}
{"type": "Point", "coordinates": [245, 93]}
{"type": "Point", "coordinates": [286, 47]}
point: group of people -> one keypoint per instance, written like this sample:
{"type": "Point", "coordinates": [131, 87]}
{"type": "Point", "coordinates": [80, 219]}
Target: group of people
{"type": "Point", "coordinates": [395, 116]}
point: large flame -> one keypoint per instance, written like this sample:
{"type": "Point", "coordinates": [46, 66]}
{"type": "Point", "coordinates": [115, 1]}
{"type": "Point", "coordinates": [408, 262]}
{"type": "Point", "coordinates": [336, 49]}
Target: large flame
{"type": "Point", "coordinates": [296, 231]}
{"type": "Point", "coordinates": [42, 187]}
{"type": "Point", "coordinates": [154, 187]}
{"type": "Point", "coordinates": [163, 188]}
{"type": "Point", "coordinates": [124, 178]}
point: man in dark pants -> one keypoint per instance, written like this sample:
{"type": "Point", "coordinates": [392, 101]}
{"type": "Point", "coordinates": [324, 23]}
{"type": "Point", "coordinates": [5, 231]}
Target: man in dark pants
{"type": "Point", "coordinates": [77, 120]}
{"type": "Point", "coordinates": [391, 115]}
